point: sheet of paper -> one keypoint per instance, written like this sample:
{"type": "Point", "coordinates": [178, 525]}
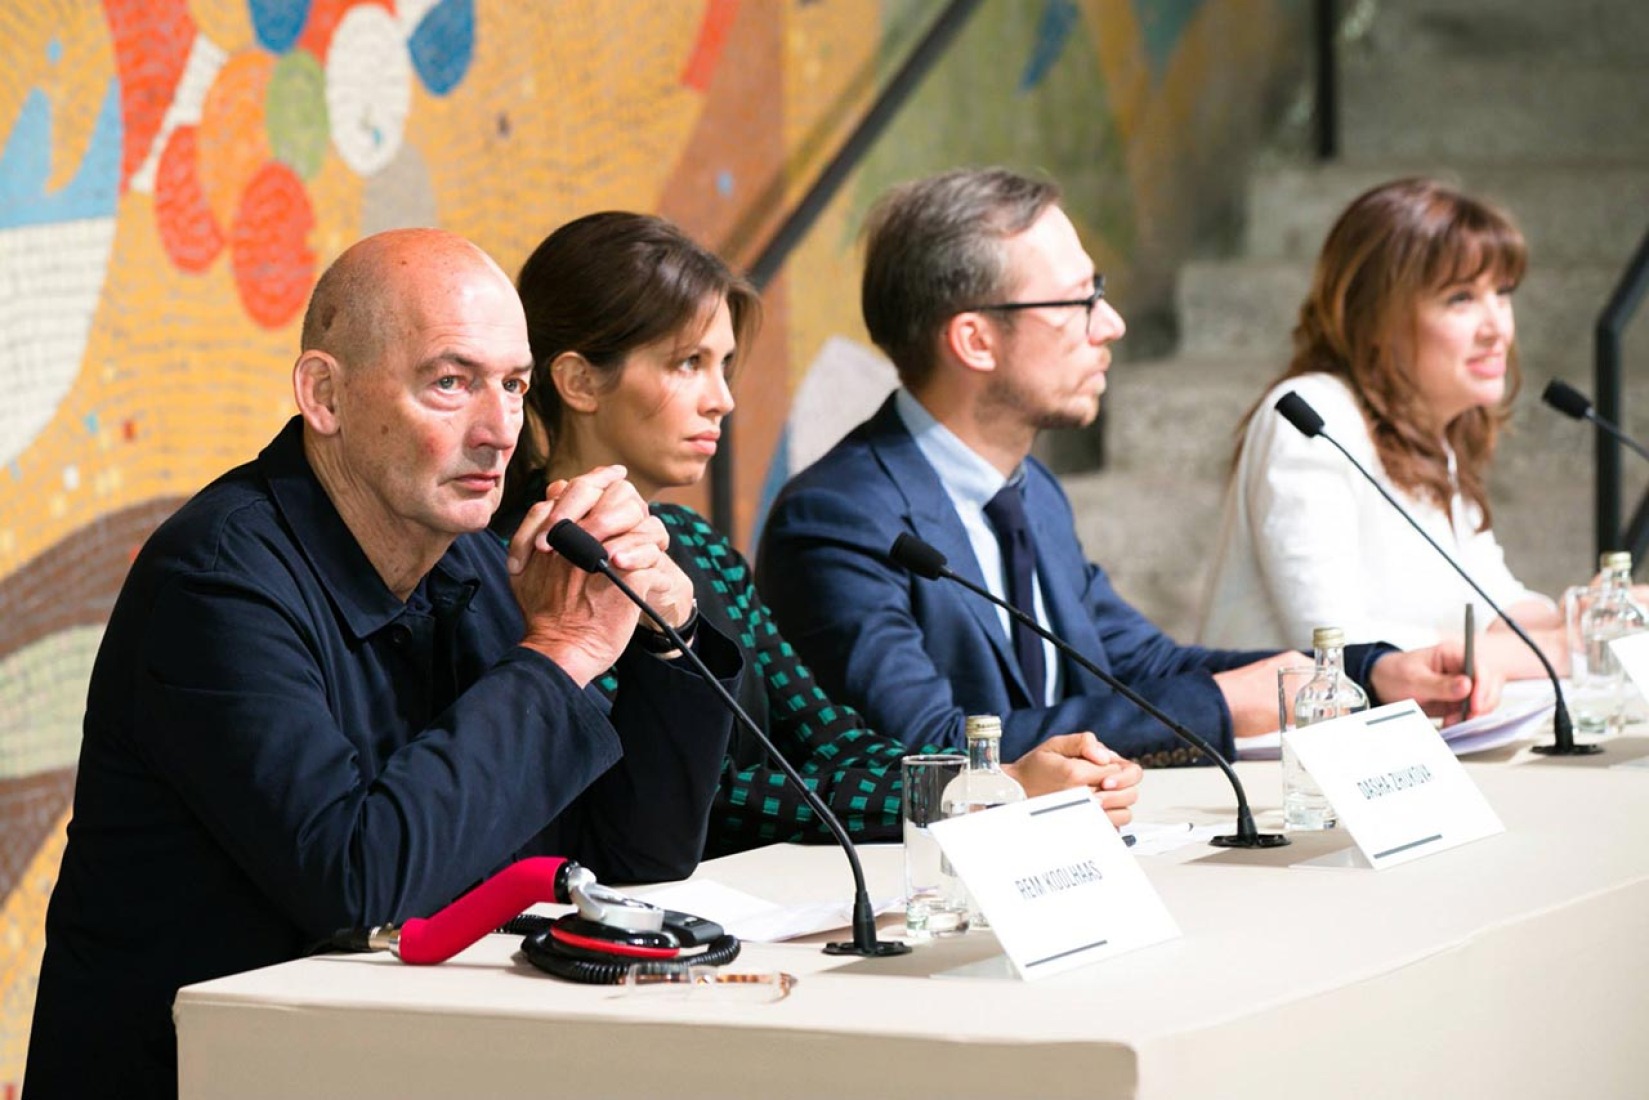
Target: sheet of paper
{"type": "Point", "coordinates": [1524, 713]}
{"type": "Point", "coordinates": [1264, 746]}
{"type": "Point", "coordinates": [754, 919]}
{"type": "Point", "coordinates": [1154, 839]}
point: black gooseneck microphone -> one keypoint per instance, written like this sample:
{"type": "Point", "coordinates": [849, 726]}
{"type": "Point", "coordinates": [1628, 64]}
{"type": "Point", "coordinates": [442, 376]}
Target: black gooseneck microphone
{"type": "Point", "coordinates": [1577, 406]}
{"type": "Point", "coordinates": [927, 562]}
{"type": "Point", "coordinates": [581, 548]}
{"type": "Point", "coordinates": [1298, 412]}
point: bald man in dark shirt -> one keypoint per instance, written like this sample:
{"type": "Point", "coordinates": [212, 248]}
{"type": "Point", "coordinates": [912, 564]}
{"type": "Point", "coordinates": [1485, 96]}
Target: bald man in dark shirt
{"type": "Point", "coordinates": [327, 699]}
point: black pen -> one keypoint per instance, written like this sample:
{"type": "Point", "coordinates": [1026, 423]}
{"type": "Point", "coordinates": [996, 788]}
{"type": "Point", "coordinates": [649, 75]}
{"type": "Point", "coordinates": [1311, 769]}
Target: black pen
{"type": "Point", "coordinates": [1471, 661]}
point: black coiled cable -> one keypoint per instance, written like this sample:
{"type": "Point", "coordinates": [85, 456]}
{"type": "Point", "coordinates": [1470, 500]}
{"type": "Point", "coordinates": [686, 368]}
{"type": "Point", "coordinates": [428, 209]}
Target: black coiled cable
{"type": "Point", "coordinates": [576, 964]}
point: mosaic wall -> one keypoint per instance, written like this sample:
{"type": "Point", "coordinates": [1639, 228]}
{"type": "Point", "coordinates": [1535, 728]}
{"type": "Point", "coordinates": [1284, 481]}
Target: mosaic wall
{"type": "Point", "coordinates": [175, 173]}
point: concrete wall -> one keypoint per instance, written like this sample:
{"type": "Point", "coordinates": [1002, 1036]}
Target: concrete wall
{"type": "Point", "coordinates": [1534, 104]}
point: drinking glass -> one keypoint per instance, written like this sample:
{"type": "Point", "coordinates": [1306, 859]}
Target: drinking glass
{"type": "Point", "coordinates": [1595, 690]}
{"type": "Point", "coordinates": [936, 904]}
{"type": "Point", "coordinates": [1304, 806]}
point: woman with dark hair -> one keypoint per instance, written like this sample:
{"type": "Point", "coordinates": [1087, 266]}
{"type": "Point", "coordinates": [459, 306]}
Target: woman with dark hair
{"type": "Point", "coordinates": [635, 332]}
{"type": "Point", "coordinates": [1406, 347]}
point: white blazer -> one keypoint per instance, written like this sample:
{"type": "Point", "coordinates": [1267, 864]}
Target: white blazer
{"type": "Point", "coordinates": [1305, 541]}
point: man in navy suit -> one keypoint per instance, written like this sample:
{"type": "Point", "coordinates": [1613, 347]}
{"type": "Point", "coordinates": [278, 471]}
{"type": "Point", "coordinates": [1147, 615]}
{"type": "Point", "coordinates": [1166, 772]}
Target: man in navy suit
{"type": "Point", "coordinates": [978, 288]}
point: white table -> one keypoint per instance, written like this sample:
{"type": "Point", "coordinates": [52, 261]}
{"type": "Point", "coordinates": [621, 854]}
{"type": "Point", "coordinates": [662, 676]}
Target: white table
{"type": "Point", "coordinates": [1514, 966]}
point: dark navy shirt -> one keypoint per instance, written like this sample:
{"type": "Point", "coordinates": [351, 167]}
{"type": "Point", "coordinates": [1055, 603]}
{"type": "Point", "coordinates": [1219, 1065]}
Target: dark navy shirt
{"type": "Point", "coordinates": [276, 747]}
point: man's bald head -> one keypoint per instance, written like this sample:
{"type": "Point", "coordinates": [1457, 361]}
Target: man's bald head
{"type": "Point", "coordinates": [411, 380]}
{"type": "Point", "coordinates": [379, 286]}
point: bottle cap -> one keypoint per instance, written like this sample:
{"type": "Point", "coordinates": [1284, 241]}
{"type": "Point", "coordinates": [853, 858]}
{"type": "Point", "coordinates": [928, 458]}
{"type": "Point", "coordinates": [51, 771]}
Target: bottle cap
{"type": "Point", "coordinates": [981, 726]}
{"type": "Point", "coordinates": [1615, 559]}
{"type": "Point", "coordinates": [1328, 637]}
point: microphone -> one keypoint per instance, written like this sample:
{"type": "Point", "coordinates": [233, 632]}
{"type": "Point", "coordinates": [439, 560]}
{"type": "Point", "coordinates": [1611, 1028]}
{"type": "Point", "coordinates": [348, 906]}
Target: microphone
{"type": "Point", "coordinates": [1298, 412]}
{"type": "Point", "coordinates": [1577, 406]}
{"type": "Point", "coordinates": [927, 562]}
{"type": "Point", "coordinates": [582, 549]}
{"type": "Point", "coordinates": [1566, 399]}
{"type": "Point", "coordinates": [611, 934]}
{"type": "Point", "coordinates": [424, 941]}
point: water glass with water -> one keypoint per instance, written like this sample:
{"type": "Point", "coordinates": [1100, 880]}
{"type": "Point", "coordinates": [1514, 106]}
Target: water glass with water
{"type": "Point", "coordinates": [936, 903]}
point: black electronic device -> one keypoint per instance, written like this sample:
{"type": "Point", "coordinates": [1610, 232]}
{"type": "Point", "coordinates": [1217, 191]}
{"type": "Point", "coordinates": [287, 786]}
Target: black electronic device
{"type": "Point", "coordinates": [691, 931]}
{"type": "Point", "coordinates": [1577, 406]}
{"type": "Point", "coordinates": [608, 934]}
{"type": "Point", "coordinates": [581, 950]}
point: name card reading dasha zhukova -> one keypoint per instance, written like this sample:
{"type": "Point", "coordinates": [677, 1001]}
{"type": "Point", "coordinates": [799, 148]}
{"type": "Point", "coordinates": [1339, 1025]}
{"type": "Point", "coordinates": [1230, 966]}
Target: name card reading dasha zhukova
{"type": "Point", "coordinates": [1395, 784]}
{"type": "Point", "coordinates": [1056, 882]}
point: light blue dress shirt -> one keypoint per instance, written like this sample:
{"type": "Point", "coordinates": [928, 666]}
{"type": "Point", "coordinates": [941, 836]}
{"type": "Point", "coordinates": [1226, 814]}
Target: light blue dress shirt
{"type": "Point", "coordinates": [971, 482]}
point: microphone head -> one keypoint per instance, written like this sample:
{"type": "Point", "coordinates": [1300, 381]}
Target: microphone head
{"type": "Point", "coordinates": [1298, 412]}
{"type": "Point", "coordinates": [577, 545]}
{"type": "Point", "coordinates": [1566, 399]}
{"type": "Point", "coordinates": [917, 556]}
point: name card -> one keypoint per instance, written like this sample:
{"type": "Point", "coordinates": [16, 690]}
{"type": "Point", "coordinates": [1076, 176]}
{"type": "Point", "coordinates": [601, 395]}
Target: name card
{"type": "Point", "coordinates": [1632, 652]}
{"type": "Point", "coordinates": [1056, 881]}
{"type": "Point", "coordinates": [1395, 786]}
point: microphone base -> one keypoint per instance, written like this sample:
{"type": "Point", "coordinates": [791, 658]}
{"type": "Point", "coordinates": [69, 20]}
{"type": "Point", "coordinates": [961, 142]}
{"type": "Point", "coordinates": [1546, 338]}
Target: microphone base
{"type": "Point", "coordinates": [1571, 749]}
{"type": "Point", "coordinates": [1256, 840]}
{"type": "Point", "coordinates": [875, 949]}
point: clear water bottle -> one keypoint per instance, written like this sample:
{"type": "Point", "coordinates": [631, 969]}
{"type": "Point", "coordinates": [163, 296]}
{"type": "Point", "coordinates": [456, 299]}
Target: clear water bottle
{"type": "Point", "coordinates": [1611, 614]}
{"type": "Point", "coordinates": [983, 785]}
{"type": "Point", "coordinates": [1330, 693]}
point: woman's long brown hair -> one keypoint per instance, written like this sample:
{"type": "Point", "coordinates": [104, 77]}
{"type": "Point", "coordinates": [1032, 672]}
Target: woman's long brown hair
{"type": "Point", "coordinates": [603, 286]}
{"type": "Point", "coordinates": [1392, 246]}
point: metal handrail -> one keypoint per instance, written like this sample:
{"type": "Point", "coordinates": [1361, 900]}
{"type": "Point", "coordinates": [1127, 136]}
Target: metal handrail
{"type": "Point", "coordinates": [1623, 304]}
{"type": "Point", "coordinates": [1325, 29]}
{"type": "Point", "coordinates": [916, 65]}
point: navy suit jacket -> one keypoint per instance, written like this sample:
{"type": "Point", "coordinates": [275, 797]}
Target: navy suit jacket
{"type": "Point", "coordinates": [916, 656]}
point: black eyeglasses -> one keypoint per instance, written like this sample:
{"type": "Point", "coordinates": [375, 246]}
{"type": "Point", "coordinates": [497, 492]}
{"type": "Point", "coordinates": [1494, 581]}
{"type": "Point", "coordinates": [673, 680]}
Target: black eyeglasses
{"type": "Point", "coordinates": [1087, 304]}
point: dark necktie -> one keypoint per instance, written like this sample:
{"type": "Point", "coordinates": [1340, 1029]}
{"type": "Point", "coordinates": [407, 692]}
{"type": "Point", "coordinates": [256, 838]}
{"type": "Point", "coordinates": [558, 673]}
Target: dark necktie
{"type": "Point", "coordinates": [1006, 511]}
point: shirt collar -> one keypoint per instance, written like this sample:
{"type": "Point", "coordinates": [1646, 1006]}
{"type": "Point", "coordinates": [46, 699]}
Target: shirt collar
{"type": "Point", "coordinates": [966, 476]}
{"type": "Point", "coordinates": [354, 586]}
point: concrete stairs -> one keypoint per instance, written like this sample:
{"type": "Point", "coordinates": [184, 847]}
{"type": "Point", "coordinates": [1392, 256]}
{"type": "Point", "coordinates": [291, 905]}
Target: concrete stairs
{"type": "Point", "coordinates": [1539, 105]}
